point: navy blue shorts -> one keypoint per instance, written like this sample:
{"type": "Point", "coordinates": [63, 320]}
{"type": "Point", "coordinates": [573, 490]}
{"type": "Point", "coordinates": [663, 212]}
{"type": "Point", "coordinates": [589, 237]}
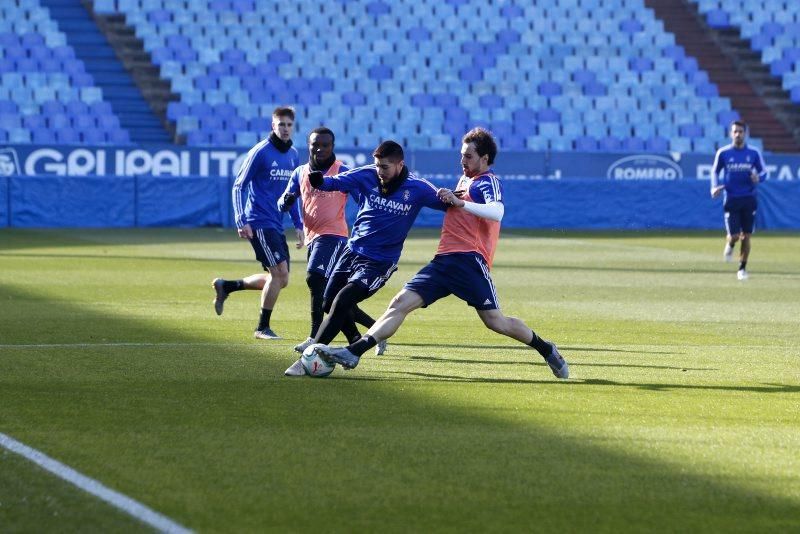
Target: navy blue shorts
{"type": "Point", "coordinates": [323, 253]}
{"type": "Point", "coordinates": [463, 275]}
{"type": "Point", "coordinates": [740, 215]}
{"type": "Point", "coordinates": [270, 247]}
{"type": "Point", "coordinates": [353, 267]}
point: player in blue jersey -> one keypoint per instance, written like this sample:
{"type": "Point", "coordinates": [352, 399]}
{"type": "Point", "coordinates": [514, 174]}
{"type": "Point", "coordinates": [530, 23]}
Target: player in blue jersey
{"type": "Point", "coordinates": [391, 197]}
{"type": "Point", "coordinates": [743, 169]}
{"type": "Point", "coordinates": [259, 184]}
{"type": "Point", "coordinates": [325, 229]}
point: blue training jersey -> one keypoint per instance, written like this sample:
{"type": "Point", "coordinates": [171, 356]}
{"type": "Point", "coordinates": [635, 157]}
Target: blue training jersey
{"type": "Point", "coordinates": [383, 221]}
{"type": "Point", "coordinates": [261, 180]}
{"type": "Point", "coordinates": [738, 164]}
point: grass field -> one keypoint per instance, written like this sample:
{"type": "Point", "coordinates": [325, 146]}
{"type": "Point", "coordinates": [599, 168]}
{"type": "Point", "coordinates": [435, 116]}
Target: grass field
{"type": "Point", "coordinates": [682, 413]}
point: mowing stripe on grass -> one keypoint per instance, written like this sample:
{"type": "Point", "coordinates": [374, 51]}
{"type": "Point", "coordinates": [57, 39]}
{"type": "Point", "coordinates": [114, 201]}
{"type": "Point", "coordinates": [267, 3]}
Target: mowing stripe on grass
{"type": "Point", "coordinates": [66, 345]}
{"type": "Point", "coordinates": [90, 485]}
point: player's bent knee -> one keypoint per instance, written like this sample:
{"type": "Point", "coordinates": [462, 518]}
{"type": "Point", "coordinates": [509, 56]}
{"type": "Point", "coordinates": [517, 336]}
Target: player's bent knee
{"type": "Point", "coordinates": [280, 275]}
{"type": "Point", "coordinates": [405, 302]}
{"type": "Point", "coordinates": [494, 320]}
{"type": "Point", "coordinates": [315, 281]}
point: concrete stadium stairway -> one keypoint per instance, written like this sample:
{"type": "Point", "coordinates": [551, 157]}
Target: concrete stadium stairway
{"type": "Point", "coordinates": [737, 78]}
{"type": "Point", "coordinates": [119, 89]}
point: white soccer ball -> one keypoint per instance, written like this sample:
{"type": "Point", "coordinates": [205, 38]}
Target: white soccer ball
{"type": "Point", "coordinates": [313, 364]}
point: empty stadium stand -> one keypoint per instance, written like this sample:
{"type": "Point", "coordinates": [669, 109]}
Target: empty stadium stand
{"type": "Point", "coordinates": [92, 48]}
{"type": "Point", "coordinates": [725, 54]}
{"type": "Point", "coordinates": [46, 93]}
{"type": "Point", "coordinates": [560, 75]}
{"type": "Point", "coordinates": [581, 74]}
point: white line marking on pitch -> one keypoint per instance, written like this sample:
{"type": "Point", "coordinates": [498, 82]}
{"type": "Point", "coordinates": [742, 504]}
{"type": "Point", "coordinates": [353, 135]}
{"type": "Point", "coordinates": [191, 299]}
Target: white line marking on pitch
{"type": "Point", "coordinates": [90, 485]}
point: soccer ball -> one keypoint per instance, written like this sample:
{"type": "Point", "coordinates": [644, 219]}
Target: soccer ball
{"type": "Point", "coordinates": [313, 364]}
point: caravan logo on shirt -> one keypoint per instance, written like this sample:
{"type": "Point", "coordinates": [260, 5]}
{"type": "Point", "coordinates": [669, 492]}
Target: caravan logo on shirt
{"type": "Point", "coordinates": [392, 206]}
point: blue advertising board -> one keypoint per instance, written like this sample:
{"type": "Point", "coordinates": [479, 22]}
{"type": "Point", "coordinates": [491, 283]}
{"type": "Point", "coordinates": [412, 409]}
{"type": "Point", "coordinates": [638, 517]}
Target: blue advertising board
{"type": "Point", "coordinates": [187, 186]}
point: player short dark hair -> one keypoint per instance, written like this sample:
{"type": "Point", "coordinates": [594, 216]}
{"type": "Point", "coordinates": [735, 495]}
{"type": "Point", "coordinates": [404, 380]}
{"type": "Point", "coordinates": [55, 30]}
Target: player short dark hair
{"type": "Point", "coordinates": [321, 130]}
{"type": "Point", "coordinates": [283, 111]}
{"type": "Point", "coordinates": [483, 141]}
{"type": "Point", "coordinates": [389, 150]}
{"type": "Point", "coordinates": [739, 122]}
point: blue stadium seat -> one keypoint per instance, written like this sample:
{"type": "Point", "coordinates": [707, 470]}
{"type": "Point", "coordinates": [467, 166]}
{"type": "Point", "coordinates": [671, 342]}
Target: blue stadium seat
{"type": "Point", "coordinates": [586, 144]}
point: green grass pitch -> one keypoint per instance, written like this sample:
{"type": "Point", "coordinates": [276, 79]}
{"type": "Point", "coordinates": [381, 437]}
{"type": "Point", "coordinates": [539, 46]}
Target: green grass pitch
{"type": "Point", "coordinates": [682, 413]}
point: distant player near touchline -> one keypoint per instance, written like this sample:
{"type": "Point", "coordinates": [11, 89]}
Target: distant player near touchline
{"type": "Point", "coordinates": [260, 182]}
{"type": "Point", "coordinates": [462, 262]}
{"type": "Point", "coordinates": [324, 227]}
{"type": "Point", "coordinates": [391, 197]}
{"type": "Point", "coordinates": [744, 170]}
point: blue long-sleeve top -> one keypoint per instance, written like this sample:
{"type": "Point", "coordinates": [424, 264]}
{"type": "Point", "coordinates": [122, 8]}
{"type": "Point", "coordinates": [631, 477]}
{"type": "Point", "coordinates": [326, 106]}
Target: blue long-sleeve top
{"type": "Point", "coordinates": [261, 180]}
{"type": "Point", "coordinates": [738, 165]}
{"type": "Point", "coordinates": [383, 220]}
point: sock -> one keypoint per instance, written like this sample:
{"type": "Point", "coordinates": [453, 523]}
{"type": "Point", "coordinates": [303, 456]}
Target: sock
{"type": "Point", "coordinates": [232, 285]}
{"type": "Point", "coordinates": [742, 265]}
{"type": "Point", "coordinates": [316, 284]}
{"type": "Point", "coordinates": [263, 320]}
{"type": "Point", "coordinates": [350, 330]}
{"type": "Point", "coordinates": [541, 346]}
{"type": "Point", "coordinates": [362, 345]}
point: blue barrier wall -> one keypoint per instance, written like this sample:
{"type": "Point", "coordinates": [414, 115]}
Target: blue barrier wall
{"type": "Point", "coordinates": [174, 186]}
{"type": "Point", "coordinates": [171, 160]}
{"type": "Point", "coordinates": [590, 203]}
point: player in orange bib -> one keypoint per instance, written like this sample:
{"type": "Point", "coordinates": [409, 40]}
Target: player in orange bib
{"type": "Point", "coordinates": [461, 266]}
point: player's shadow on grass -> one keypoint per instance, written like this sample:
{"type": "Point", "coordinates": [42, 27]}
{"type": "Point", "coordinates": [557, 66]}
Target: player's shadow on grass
{"type": "Point", "coordinates": [526, 348]}
{"type": "Point", "coordinates": [636, 269]}
{"type": "Point", "coordinates": [764, 388]}
{"type": "Point", "coordinates": [520, 362]}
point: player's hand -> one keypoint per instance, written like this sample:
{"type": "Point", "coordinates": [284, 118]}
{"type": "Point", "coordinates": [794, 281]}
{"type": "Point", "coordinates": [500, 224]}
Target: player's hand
{"type": "Point", "coordinates": [245, 232]}
{"type": "Point", "coordinates": [286, 201]}
{"type": "Point", "coordinates": [716, 191]}
{"type": "Point", "coordinates": [448, 197]}
{"type": "Point", "coordinates": [315, 178]}
{"type": "Point", "coordinates": [301, 238]}
{"type": "Point", "coordinates": [754, 177]}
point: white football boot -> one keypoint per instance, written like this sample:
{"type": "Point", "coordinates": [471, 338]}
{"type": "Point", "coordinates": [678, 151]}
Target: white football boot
{"type": "Point", "coordinates": [727, 254]}
{"type": "Point", "coordinates": [296, 369]}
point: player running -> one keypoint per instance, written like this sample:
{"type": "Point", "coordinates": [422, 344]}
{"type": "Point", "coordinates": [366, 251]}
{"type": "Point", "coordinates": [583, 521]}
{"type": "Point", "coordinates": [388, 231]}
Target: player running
{"type": "Point", "coordinates": [391, 197]}
{"type": "Point", "coordinates": [462, 262]}
{"type": "Point", "coordinates": [261, 180]}
{"type": "Point", "coordinates": [744, 170]}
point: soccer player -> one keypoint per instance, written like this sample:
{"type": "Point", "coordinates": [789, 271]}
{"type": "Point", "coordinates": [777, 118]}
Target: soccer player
{"type": "Point", "coordinates": [462, 262]}
{"type": "Point", "coordinates": [744, 170]}
{"type": "Point", "coordinates": [391, 197]}
{"type": "Point", "coordinates": [325, 230]}
{"type": "Point", "coordinates": [260, 182]}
